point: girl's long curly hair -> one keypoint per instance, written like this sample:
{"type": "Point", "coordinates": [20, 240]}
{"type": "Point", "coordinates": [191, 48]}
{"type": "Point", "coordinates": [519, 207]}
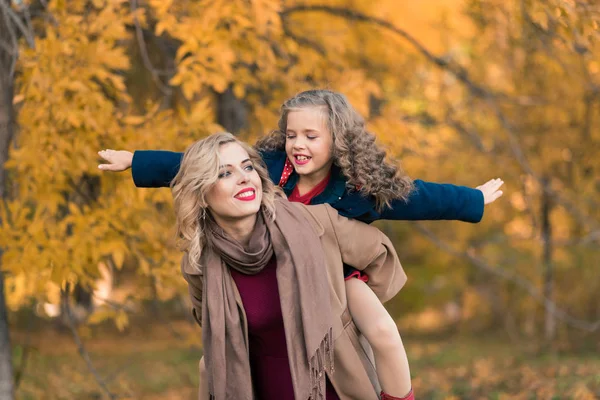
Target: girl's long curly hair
{"type": "Point", "coordinates": [361, 160]}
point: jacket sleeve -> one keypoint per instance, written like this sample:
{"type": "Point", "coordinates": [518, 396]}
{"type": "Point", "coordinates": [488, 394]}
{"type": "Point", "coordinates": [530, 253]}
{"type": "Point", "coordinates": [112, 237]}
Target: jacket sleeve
{"type": "Point", "coordinates": [157, 168]}
{"type": "Point", "coordinates": [154, 168]}
{"type": "Point", "coordinates": [366, 248]}
{"type": "Point", "coordinates": [435, 201]}
{"type": "Point", "coordinates": [194, 288]}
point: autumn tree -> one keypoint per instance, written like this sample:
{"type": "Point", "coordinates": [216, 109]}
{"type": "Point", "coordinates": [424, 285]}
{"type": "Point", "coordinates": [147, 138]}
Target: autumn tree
{"type": "Point", "coordinates": [526, 94]}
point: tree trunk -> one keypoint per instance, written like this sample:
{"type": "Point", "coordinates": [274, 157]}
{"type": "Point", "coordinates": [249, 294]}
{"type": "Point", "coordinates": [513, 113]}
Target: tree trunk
{"type": "Point", "coordinates": [231, 112]}
{"type": "Point", "coordinates": [6, 134]}
{"type": "Point", "coordinates": [550, 319]}
{"type": "Point", "coordinates": [6, 370]}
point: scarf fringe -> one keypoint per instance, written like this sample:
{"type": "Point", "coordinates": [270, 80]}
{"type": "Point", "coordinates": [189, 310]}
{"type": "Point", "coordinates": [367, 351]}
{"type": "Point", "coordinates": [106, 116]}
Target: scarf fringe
{"type": "Point", "coordinates": [320, 364]}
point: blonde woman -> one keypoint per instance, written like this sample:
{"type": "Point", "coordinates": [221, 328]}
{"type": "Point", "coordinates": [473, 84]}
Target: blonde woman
{"type": "Point", "coordinates": [266, 281]}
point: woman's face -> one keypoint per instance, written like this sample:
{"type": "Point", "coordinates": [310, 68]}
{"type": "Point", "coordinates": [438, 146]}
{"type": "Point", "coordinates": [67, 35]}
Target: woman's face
{"type": "Point", "coordinates": [238, 192]}
{"type": "Point", "coordinates": [308, 143]}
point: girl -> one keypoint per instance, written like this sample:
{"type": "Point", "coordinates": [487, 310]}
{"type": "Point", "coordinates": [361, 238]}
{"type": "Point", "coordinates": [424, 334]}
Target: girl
{"type": "Point", "coordinates": [322, 153]}
{"type": "Point", "coordinates": [265, 279]}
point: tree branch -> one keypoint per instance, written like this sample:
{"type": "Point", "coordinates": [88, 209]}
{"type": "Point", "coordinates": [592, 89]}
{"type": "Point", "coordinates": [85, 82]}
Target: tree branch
{"type": "Point", "coordinates": [301, 40]}
{"type": "Point", "coordinates": [80, 347]}
{"type": "Point", "coordinates": [529, 287]}
{"type": "Point", "coordinates": [165, 89]}
{"type": "Point", "coordinates": [113, 304]}
{"type": "Point", "coordinates": [12, 50]}
{"type": "Point", "coordinates": [28, 34]}
{"type": "Point", "coordinates": [12, 53]}
{"type": "Point", "coordinates": [458, 71]}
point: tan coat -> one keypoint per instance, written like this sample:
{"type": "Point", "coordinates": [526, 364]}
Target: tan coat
{"type": "Point", "coordinates": [365, 248]}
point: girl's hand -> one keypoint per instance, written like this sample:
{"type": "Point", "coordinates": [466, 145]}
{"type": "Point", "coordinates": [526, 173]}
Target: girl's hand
{"type": "Point", "coordinates": [490, 190]}
{"type": "Point", "coordinates": [118, 160]}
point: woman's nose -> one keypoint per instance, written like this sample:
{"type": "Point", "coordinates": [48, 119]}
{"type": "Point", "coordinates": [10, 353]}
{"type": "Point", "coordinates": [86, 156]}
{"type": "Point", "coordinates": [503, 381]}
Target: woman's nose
{"type": "Point", "coordinates": [244, 177]}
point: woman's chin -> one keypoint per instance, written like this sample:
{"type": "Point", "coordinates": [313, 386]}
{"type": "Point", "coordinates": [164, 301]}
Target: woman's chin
{"type": "Point", "coordinates": [249, 209]}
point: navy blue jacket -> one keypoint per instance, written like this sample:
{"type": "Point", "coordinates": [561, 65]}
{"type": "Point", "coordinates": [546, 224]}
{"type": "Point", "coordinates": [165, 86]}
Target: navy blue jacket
{"type": "Point", "coordinates": [429, 201]}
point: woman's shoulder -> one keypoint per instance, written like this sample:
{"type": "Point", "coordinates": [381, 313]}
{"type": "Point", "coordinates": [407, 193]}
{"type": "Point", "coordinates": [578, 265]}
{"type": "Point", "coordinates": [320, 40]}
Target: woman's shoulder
{"type": "Point", "coordinates": [318, 215]}
{"type": "Point", "coordinates": [319, 210]}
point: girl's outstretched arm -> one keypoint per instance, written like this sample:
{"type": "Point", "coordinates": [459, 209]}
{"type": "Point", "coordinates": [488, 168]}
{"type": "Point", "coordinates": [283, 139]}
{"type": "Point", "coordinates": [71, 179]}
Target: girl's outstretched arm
{"type": "Point", "coordinates": [437, 201]}
{"type": "Point", "coordinates": [149, 168]}
{"type": "Point", "coordinates": [157, 168]}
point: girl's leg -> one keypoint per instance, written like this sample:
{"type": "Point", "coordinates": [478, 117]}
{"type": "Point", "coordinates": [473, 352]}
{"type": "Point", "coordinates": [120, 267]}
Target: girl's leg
{"type": "Point", "coordinates": [378, 327]}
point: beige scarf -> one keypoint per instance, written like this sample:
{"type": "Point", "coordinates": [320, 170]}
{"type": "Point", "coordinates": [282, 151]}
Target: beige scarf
{"type": "Point", "coordinates": [304, 296]}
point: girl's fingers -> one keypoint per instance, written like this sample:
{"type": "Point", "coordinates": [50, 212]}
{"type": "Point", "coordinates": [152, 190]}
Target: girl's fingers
{"type": "Point", "coordinates": [495, 196]}
{"type": "Point", "coordinates": [492, 184]}
{"type": "Point", "coordinates": [496, 183]}
{"type": "Point", "coordinates": [484, 186]}
{"type": "Point", "coordinates": [108, 155]}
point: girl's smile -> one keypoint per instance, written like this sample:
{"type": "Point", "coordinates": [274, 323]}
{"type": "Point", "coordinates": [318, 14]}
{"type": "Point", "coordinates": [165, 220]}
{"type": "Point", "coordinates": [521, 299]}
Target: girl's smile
{"type": "Point", "coordinates": [301, 159]}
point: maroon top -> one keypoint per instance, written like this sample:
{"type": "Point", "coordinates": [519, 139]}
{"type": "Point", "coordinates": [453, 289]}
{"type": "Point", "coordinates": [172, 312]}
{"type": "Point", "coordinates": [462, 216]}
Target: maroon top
{"type": "Point", "coordinates": [269, 361]}
{"type": "Point", "coordinates": [306, 198]}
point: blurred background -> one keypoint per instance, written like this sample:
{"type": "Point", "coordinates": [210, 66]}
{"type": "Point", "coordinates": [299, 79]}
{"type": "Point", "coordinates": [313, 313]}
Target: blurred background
{"type": "Point", "coordinates": [92, 303]}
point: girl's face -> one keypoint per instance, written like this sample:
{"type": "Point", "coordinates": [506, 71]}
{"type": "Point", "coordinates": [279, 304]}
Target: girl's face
{"type": "Point", "coordinates": [238, 192]}
{"type": "Point", "coordinates": [308, 143]}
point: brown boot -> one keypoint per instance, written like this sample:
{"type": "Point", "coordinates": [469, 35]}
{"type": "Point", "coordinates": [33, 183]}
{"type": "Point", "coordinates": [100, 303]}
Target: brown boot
{"type": "Point", "coordinates": [409, 396]}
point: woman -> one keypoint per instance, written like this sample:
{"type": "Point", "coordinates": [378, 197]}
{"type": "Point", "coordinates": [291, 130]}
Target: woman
{"type": "Point", "coordinates": [322, 153]}
{"type": "Point", "coordinates": [266, 280]}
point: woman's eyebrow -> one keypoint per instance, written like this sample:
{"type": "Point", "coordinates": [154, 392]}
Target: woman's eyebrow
{"type": "Point", "coordinates": [229, 165]}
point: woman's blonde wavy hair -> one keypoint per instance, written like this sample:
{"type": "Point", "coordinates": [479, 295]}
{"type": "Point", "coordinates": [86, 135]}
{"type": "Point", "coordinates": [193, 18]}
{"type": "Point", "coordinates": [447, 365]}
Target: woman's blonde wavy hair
{"type": "Point", "coordinates": [360, 159]}
{"type": "Point", "coordinates": [197, 175]}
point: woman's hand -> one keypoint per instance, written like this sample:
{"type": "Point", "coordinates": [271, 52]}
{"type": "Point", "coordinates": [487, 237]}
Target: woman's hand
{"type": "Point", "coordinates": [118, 160]}
{"type": "Point", "coordinates": [490, 190]}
